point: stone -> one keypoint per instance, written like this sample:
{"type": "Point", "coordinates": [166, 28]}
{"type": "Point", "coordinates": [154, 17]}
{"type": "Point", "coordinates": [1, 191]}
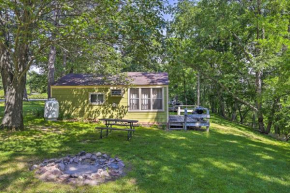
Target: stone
{"type": "Point", "coordinates": [90, 182]}
{"type": "Point", "coordinates": [102, 160]}
{"type": "Point", "coordinates": [105, 174]}
{"type": "Point", "coordinates": [88, 155]}
{"type": "Point", "coordinates": [121, 164]}
{"type": "Point", "coordinates": [50, 177]}
{"type": "Point", "coordinates": [114, 166]}
{"type": "Point", "coordinates": [114, 173]}
{"type": "Point", "coordinates": [76, 160]}
{"type": "Point", "coordinates": [86, 161]}
{"type": "Point", "coordinates": [41, 171]}
{"type": "Point", "coordinates": [61, 166]}
{"type": "Point", "coordinates": [87, 176]}
{"type": "Point", "coordinates": [82, 153]}
{"type": "Point", "coordinates": [55, 172]}
{"type": "Point", "coordinates": [72, 181]}
{"type": "Point", "coordinates": [94, 176]}
{"type": "Point", "coordinates": [73, 176]}
{"type": "Point", "coordinates": [51, 161]}
{"type": "Point", "coordinates": [83, 168]}
{"type": "Point", "coordinates": [98, 154]}
{"type": "Point", "coordinates": [34, 167]}
{"type": "Point", "coordinates": [63, 178]}
{"type": "Point", "coordinates": [94, 157]}
{"type": "Point", "coordinates": [58, 161]}
{"type": "Point", "coordinates": [51, 164]}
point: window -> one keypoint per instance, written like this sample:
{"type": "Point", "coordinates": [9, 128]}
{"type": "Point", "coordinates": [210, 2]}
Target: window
{"type": "Point", "coordinates": [97, 98]}
{"type": "Point", "coordinates": [157, 98]}
{"type": "Point", "coordinates": [116, 92]}
{"type": "Point", "coordinates": [134, 99]}
{"type": "Point", "coordinates": [146, 99]}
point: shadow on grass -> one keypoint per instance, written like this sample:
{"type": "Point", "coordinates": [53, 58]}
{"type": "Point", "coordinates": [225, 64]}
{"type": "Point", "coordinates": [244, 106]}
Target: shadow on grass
{"type": "Point", "coordinates": [227, 159]}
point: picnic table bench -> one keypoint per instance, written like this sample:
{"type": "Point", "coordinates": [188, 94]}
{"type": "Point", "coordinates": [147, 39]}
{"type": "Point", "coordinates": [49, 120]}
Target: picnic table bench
{"type": "Point", "coordinates": [128, 124]}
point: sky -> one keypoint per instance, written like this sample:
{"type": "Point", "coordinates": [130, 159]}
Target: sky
{"type": "Point", "coordinates": [168, 16]}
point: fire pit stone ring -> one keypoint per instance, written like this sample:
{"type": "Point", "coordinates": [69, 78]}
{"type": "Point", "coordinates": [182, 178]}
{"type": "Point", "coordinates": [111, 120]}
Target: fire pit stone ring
{"type": "Point", "coordinates": [80, 169]}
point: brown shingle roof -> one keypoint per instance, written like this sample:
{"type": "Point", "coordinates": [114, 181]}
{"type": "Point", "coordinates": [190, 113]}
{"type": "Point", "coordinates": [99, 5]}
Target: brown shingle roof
{"type": "Point", "coordinates": [134, 78]}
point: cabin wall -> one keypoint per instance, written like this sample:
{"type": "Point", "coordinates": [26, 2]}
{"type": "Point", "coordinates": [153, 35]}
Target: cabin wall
{"type": "Point", "coordinates": [74, 103]}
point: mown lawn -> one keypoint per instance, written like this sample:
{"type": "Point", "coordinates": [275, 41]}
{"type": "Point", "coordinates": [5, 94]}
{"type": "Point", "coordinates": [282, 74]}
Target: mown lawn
{"type": "Point", "coordinates": [230, 158]}
{"type": "Point", "coordinates": [30, 96]}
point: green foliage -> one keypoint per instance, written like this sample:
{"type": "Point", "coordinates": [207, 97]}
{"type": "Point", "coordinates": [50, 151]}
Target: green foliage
{"type": "Point", "coordinates": [36, 82]}
{"type": "Point", "coordinates": [231, 44]}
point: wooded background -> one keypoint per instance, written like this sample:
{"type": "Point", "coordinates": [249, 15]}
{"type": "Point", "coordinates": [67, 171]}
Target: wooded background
{"type": "Point", "coordinates": [239, 48]}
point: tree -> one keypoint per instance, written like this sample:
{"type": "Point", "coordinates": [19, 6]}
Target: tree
{"type": "Point", "coordinates": [238, 46]}
{"type": "Point", "coordinates": [30, 28]}
{"type": "Point", "coordinates": [25, 35]}
{"type": "Point", "coordinates": [133, 44]}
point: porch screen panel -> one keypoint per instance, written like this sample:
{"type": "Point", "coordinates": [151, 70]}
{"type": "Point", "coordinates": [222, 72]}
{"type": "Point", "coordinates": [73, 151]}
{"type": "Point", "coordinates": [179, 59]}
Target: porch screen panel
{"type": "Point", "coordinates": [134, 99]}
{"type": "Point", "coordinates": [157, 98]}
{"type": "Point", "coordinates": [145, 99]}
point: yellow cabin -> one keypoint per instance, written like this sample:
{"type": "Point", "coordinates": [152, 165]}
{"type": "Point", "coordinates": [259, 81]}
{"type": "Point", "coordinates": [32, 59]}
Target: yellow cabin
{"type": "Point", "coordinates": [132, 95]}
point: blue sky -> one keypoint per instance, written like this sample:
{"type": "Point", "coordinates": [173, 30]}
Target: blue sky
{"type": "Point", "coordinates": [168, 16]}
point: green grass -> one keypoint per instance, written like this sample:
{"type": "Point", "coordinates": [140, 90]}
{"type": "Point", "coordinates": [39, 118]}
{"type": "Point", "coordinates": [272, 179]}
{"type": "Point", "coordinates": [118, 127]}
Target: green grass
{"type": "Point", "coordinates": [230, 158]}
{"type": "Point", "coordinates": [30, 96]}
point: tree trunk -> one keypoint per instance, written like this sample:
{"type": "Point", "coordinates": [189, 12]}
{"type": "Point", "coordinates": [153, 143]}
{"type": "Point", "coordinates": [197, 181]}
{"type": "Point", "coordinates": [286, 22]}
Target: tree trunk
{"type": "Point", "coordinates": [198, 90]}
{"type": "Point", "coordinates": [51, 69]}
{"type": "Point", "coordinates": [13, 118]}
{"type": "Point", "coordinates": [13, 90]}
{"type": "Point", "coordinates": [234, 111]}
{"type": "Point", "coordinates": [184, 87]}
{"type": "Point", "coordinates": [271, 116]}
{"type": "Point", "coordinates": [221, 104]}
{"type": "Point", "coordinates": [25, 94]}
{"type": "Point", "coordinates": [277, 129]}
{"type": "Point", "coordinates": [63, 72]}
{"type": "Point", "coordinates": [254, 120]}
{"type": "Point", "coordinates": [52, 56]}
{"type": "Point", "coordinates": [259, 101]}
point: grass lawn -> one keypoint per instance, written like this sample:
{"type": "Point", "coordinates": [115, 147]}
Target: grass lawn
{"type": "Point", "coordinates": [30, 96]}
{"type": "Point", "coordinates": [230, 158]}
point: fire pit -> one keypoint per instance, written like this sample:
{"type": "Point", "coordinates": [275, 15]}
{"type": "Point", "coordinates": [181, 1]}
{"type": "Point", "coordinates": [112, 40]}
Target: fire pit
{"type": "Point", "coordinates": [82, 168]}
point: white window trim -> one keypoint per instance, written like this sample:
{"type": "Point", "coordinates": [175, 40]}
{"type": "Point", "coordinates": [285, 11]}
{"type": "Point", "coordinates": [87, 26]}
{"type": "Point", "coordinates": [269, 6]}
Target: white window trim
{"type": "Point", "coordinates": [151, 98]}
{"type": "Point", "coordinates": [97, 93]}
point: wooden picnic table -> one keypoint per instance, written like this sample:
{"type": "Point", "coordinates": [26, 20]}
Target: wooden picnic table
{"type": "Point", "coordinates": [127, 123]}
